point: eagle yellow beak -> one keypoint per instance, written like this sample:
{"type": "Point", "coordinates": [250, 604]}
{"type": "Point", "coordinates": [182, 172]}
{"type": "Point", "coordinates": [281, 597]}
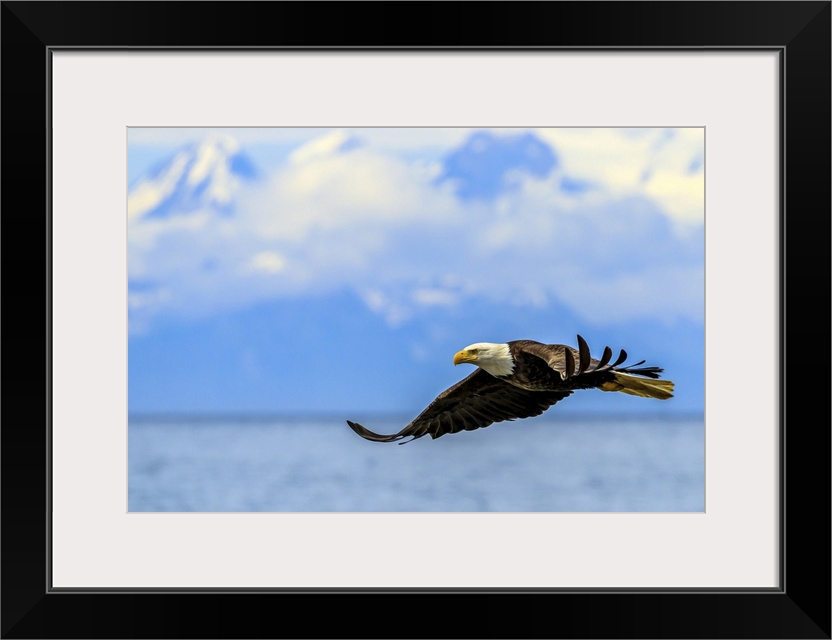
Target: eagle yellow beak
{"type": "Point", "coordinates": [464, 356]}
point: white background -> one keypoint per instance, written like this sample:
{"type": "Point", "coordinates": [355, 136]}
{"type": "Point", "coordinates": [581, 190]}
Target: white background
{"type": "Point", "coordinates": [96, 96]}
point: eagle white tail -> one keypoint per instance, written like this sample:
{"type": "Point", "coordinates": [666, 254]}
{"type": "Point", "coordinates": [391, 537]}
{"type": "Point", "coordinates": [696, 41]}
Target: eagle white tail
{"type": "Point", "coordinates": [638, 386]}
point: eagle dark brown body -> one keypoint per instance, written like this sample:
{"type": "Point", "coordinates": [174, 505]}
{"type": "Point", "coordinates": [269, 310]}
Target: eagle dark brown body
{"type": "Point", "coordinates": [521, 379]}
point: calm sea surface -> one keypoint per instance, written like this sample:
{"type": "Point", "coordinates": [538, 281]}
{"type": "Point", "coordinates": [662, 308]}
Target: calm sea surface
{"type": "Point", "coordinates": [302, 465]}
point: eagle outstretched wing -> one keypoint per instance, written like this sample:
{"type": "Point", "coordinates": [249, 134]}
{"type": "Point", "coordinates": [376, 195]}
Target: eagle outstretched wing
{"type": "Point", "coordinates": [472, 403]}
{"type": "Point", "coordinates": [541, 375]}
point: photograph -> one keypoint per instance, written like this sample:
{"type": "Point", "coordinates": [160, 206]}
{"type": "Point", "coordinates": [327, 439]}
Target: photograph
{"type": "Point", "coordinates": [301, 301]}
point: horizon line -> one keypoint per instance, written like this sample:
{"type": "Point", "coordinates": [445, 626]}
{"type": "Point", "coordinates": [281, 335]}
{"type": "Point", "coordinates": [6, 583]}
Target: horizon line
{"type": "Point", "coordinates": [308, 416]}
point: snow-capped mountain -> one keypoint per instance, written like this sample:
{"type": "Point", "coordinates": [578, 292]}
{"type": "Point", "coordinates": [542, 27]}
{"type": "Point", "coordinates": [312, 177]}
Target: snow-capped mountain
{"type": "Point", "coordinates": [479, 168]}
{"type": "Point", "coordinates": [197, 177]}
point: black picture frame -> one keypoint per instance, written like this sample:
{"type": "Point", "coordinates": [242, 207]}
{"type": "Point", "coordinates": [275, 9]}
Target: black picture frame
{"type": "Point", "coordinates": [798, 31]}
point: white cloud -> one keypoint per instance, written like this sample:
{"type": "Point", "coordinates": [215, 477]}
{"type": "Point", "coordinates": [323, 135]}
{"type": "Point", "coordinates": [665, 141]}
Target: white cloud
{"type": "Point", "coordinates": [434, 297]}
{"type": "Point", "coordinates": [269, 262]}
{"type": "Point", "coordinates": [144, 299]}
{"type": "Point", "coordinates": [360, 217]}
{"type": "Point", "coordinates": [666, 165]}
{"type": "Point", "coordinates": [324, 191]}
{"type": "Point", "coordinates": [393, 311]}
{"type": "Point", "coordinates": [681, 195]}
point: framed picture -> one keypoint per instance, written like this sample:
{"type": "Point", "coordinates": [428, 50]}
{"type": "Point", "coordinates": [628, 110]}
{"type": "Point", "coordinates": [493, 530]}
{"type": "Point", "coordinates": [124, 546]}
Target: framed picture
{"type": "Point", "coordinates": [241, 221]}
{"type": "Point", "coordinates": [274, 270]}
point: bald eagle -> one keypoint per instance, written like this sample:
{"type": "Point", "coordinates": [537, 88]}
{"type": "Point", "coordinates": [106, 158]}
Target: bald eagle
{"type": "Point", "coordinates": [520, 379]}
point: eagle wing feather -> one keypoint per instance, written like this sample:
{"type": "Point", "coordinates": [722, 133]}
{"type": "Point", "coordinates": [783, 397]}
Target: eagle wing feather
{"type": "Point", "coordinates": [472, 403]}
{"type": "Point", "coordinates": [563, 358]}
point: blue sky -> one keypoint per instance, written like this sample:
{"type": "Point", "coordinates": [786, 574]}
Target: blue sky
{"type": "Point", "coordinates": [327, 270]}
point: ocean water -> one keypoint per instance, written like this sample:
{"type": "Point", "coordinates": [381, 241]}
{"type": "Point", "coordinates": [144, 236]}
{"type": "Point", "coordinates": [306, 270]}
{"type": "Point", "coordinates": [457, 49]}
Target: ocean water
{"type": "Point", "coordinates": [545, 464]}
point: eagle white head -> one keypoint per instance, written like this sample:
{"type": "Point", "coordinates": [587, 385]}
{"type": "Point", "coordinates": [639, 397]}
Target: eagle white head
{"type": "Point", "coordinates": [496, 359]}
